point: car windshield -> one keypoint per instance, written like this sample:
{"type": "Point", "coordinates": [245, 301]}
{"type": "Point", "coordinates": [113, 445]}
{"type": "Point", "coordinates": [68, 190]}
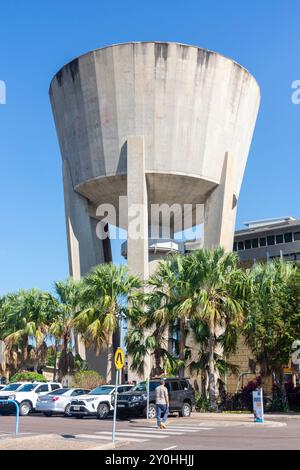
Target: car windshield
{"type": "Point", "coordinates": [101, 390]}
{"type": "Point", "coordinates": [59, 391]}
{"type": "Point", "coordinates": [10, 387]}
{"type": "Point", "coordinates": [142, 387]}
{"type": "Point", "coordinates": [27, 388]}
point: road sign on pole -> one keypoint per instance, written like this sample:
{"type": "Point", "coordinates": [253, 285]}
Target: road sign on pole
{"type": "Point", "coordinates": [119, 363]}
{"type": "Point", "coordinates": [119, 359]}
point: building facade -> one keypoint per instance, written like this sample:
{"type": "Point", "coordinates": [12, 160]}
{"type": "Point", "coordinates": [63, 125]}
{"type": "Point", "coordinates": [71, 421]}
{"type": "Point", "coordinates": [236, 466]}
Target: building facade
{"type": "Point", "coordinates": [268, 239]}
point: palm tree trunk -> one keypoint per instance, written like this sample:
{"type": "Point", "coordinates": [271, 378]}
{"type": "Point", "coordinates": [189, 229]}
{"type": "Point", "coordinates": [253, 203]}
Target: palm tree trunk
{"type": "Point", "coordinates": [181, 344]}
{"type": "Point", "coordinates": [109, 359]}
{"type": "Point", "coordinates": [211, 368]}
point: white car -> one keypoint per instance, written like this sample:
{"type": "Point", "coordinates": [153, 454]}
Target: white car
{"type": "Point", "coordinates": [58, 401]}
{"type": "Point", "coordinates": [26, 396]}
{"type": "Point", "coordinates": [11, 388]}
{"type": "Point", "coordinates": [98, 402]}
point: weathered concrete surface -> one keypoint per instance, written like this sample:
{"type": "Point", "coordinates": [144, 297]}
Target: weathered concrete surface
{"type": "Point", "coordinates": [191, 105]}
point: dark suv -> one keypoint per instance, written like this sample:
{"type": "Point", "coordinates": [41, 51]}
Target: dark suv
{"type": "Point", "coordinates": [134, 403]}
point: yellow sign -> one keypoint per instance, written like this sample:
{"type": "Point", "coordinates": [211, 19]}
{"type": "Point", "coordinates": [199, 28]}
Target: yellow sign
{"type": "Point", "coordinates": [119, 358]}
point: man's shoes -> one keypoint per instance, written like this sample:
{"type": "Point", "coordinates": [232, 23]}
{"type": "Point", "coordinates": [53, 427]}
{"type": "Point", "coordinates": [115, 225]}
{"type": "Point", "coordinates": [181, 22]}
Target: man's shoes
{"type": "Point", "coordinates": [163, 426]}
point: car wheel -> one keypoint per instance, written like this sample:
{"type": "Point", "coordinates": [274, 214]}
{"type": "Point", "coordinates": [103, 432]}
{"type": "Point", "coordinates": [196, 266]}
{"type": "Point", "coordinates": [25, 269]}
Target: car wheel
{"type": "Point", "coordinates": [67, 411]}
{"type": "Point", "coordinates": [47, 413]}
{"type": "Point", "coordinates": [25, 408]}
{"type": "Point", "coordinates": [102, 411]}
{"type": "Point", "coordinates": [152, 411]}
{"type": "Point", "coordinates": [185, 410]}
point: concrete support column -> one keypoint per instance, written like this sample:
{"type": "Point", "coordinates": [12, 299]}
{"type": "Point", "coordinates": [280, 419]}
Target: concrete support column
{"type": "Point", "coordinates": [137, 242]}
{"type": "Point", "coordinates": [220, 209]}
{"type": "Point", "coordinates": [85, 249]}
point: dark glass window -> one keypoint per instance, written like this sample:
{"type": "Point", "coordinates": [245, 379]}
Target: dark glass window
{"type": "Point", "coordinates": [54, 386]}
{"type": "Point", "coordinates": [279, 238]}
{"type": "Point", "coordinates": [297, 236]}
{"type": "Point", "coordinates": [255, 243]}
{"type": "Point", "coordinates": [42, 388]}
{"type": "Point", "coordinates": [288, 237]}
{"type": "Point", "coordinates": [262, 241]}
{"type": "Point", "coordinates": [175, 386]}
{"type": "Point", "coordinates": [247, 244]}
{"type": "Point", "coordinates": [235, 246]}
{"type": "Point", "coordinates": [240, 246]}
{"type": "Point", "coordinates": [271, 240]}
{"type": "Point", "coordinates": [184, 384]}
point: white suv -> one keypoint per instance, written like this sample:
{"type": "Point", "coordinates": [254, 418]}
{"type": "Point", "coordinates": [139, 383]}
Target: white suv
{"type": "Point", "coordinates": [27, 395]}
{"type": "Point", "coordinates": [98, 402]}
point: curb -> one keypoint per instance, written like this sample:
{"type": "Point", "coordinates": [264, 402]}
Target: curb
{"type": "Point", "coordinates": [111, 446]}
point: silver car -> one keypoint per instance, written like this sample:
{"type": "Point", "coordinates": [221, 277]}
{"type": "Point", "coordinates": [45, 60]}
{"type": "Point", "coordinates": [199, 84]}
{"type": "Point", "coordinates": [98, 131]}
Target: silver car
{"type": "Point", "coordinates": [58, 401]}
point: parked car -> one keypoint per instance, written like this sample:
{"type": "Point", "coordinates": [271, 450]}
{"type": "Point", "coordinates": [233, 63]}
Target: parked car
{"type": "Point", "coordinates": [98, 402]}
{"type": "Point", "coordinates": [26, 396]}
{"type": "Point", "coordinates": [58, 401]}
{"type": "Point", "coordinates": [134, 402]}
{"type": "Point", "coordinates": [6, 408]}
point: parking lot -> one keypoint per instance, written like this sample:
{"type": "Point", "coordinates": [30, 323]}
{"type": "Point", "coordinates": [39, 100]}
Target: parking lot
{"type": "Point", "coordinates": [201, 431]}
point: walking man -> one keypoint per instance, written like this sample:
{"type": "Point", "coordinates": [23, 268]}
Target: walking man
{"type": "Point", "coordinates": [162, 404]}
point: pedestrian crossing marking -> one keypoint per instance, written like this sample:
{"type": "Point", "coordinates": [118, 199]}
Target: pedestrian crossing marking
{"type": "Point", "coordinates": [144, 433]}
{"type": "Point", "coordinates": [177, 432]}
{"type": "Point", "coordinates": [134, 434]}
{"type": "Point", "coordinates": [107, 438]}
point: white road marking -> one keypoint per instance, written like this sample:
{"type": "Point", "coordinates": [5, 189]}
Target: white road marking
{"type": "Point", "coordinates": [134, 434]}
{"type": "Point", "coordinates": [147, 431]}
{"type": "Point", "coordinates": [107, 438]}
{"type": "Point", "coordinates": [169, 448]}
{"type": "Point", "coordinates": [194, 429]}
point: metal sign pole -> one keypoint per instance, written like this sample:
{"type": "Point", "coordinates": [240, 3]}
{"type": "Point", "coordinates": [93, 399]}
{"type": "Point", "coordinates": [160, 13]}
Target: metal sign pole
{"type": "Point", "coordinates": [115, 408]}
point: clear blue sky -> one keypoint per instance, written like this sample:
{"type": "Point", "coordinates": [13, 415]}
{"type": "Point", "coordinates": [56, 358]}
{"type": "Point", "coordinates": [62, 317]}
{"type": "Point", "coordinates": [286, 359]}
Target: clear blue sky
{"type": "Point", "coordinates": [38, 37]}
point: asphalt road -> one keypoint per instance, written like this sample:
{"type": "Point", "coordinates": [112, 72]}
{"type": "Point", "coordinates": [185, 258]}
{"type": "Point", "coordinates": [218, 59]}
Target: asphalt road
{"type": "Point", "coordinates": [181, 434]}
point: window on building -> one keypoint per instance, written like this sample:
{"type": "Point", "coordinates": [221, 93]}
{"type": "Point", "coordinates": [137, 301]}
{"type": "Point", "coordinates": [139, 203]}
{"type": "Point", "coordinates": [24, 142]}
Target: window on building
{"type": "Point", "coordinates": [255, 243]}
{"type": "Point", "coordinates": [271, 240]}
{"type": "Point", "coordinates": [262, 241]}
{"type": "Point", "coordinates": [240, 246]}
{"type": "Point", "coordinates": [279, 239]}
{"type": "Point", "coordinates": [247, 244]}
{"type": "Point", "coordinates": [235, 246]}
{"type": "Point", "coordinates": [297, 236]}
{"type": "Point", "coordinates": [288, 237]}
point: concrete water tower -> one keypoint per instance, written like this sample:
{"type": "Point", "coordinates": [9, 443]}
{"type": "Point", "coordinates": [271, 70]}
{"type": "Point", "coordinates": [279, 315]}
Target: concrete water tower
{"type": "Point", "coordinates": [163, 123]}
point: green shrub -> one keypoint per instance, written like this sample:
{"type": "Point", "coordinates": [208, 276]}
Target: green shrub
{"type": "Point", "coordinates": [88, 379]}
{"type": "Point", "coordinates": [202, 403]}
{"type": "Point", "coordinates": [28, 377]}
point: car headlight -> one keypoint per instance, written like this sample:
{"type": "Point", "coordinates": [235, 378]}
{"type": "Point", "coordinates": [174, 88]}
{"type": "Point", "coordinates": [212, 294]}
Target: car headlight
{"type": "Point", "coordinates": [88, 400]}
{"type": "Point", "coordinates": [11, 397]}
{"type": "Point", "coordinates": [137, 398]}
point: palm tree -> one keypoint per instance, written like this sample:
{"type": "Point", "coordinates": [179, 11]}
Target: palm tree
{"type": "Point", "coordinates": [172, 282]}
{"type": "Point", "coordinates": [219, 289]}
{"type": "Point", "coordinates": [147, 335]}
{"type": "Point", "coordinates": [65, 307]}
{"type": "Point", "coordinates": [26, 323]}
{"type": "Point", "coordinates": [106, 289]}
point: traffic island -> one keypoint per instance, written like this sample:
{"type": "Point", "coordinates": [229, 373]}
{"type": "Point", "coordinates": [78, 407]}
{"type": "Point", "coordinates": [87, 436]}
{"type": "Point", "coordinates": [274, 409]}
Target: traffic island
{"type": "Point", "coordinates": [54, 442]}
